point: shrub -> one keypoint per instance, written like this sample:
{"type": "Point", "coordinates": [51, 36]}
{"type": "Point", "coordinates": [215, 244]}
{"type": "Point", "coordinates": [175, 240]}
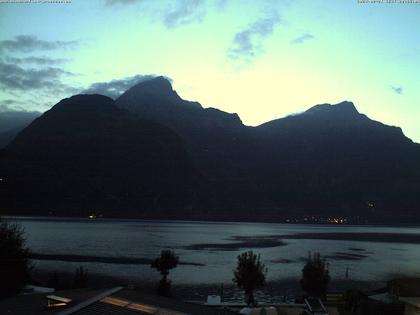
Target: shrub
{"type": "Point", "coordinates": [167, 261]}
{"type": "Point", "coordinates": [14, 259]}
{"type": "Point", "coordinates": [315, 276]}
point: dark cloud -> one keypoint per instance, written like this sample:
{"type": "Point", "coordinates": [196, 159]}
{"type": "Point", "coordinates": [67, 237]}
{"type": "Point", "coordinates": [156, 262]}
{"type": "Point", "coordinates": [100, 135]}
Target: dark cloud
{"type": "Point", "coordinates": [184, 12]}
{"type": "Point", "coordinates": [18, 75]}
{"type": "Point", "coordinates": [115, 88]}
{"type": "Point", "coordinates": [249, 43]}
{"type": "Point", "coordinates": [398, 90]}
{"type": "Point", "coordinates": [301, 39]}
{"type": "Point", "coordinates": [17, 78]}
{"type": "Point", "coordinates": [29, 43]}
{"type": "Point", "coordinates": [42, 60]}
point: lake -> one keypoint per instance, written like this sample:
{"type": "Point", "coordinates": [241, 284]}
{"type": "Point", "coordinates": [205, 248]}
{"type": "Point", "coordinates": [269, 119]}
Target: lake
{"type": "Point", "coordinates": [369, 253]}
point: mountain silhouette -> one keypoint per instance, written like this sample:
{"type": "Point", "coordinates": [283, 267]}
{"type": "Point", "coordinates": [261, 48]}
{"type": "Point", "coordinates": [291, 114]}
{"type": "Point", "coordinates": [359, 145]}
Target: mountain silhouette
{"type": "Point", "coordinates": [152, 154]}
{"type": "Point", "coordinates": [337, 158]}
{"type": "Point", "coordinates": [86, 155]}
{"type": "Point", "coordinates": [156, 100]}
{"type": "Point", "coordinates": [215, 140]}
{"type": "Point", "coordinates": [326, 157]}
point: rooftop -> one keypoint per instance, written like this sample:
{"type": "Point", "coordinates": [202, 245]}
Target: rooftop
{"type": "Point", "coordinates": [119, 300]}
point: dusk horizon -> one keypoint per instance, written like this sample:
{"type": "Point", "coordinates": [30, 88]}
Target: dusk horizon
{"type": "Point", "coordinates": [255, 63]}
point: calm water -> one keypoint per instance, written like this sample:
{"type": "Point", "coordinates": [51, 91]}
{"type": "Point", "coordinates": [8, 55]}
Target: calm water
{"type": "Point", "coordinates": [374, 261]}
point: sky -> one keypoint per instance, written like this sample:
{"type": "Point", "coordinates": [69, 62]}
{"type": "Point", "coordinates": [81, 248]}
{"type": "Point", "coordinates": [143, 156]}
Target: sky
{"type": "Point", "coordinates": [261, 59]}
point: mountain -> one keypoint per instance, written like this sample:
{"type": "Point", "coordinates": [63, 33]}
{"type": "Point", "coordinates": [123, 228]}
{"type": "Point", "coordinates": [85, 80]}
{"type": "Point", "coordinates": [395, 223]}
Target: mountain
{"type": "Point", "coordinates": [12, 122]}
{"type": "Point", "coordinates": [329, 159]}
{"type": "Point", "coordinates": [215, 140]}
{"type": "Point", "coordinates": [152, 154]}
{"type": "Point", "coordinates": [338, 159]}
{"type": "Point", "coordinates": [86, 155]}
{"type": "Point", "coordinates": [156, 100]}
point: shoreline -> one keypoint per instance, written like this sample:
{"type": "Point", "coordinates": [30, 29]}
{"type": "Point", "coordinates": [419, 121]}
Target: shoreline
{"type": "Point", "coordinates": [274, 291]}
{"type": "Point", "coordinates": [200, 221]}
{"type": "Point", "coordinates": [102, 259]}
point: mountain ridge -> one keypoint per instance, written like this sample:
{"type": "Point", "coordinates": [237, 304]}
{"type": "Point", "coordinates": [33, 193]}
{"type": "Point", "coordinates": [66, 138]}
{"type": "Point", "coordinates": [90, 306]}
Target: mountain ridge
{"type": "Point", "coordinates": [344, 108]}
{"type": "Point", "coordinates": [328, 160]}
{"type": "Point", "coordinates": [86, 155]}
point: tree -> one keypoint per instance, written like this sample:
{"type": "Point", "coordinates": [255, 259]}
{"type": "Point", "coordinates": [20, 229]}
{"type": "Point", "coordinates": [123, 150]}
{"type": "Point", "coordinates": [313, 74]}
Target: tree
{"type": "Point", "coordinates": [249, 274]}
{"type": "Point", "coordinates": [14, 259]}
{"type": "Point", "coordinates": [315, 276]}
{"type": "Point", "coordinates": [167, 261]}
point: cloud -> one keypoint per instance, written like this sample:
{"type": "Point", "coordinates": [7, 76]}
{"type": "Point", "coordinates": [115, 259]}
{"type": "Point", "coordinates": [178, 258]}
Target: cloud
{"type": "Point", "coordinates": [172, 13]}
{"type": "Point", "coordinates": [7, 105]}
{"type": "Point", "coordinates": [184, 12]}
{"type": "Point", "coordinates": [4, 103]}
{"type": "Point", "coordinates": [248, 43]}
{"type": "Point", "coordinates": [29, 43]}
{"type": "Point", "coordinates": [115, 88]}
{"type": "Point", "coordinates": [398, 90]}
{"type": "Point", "coordinates": [15, 118]}
{"type": "Point", "coordinates": [301, 39]}
{"type": "Point", "coordinates": [122, 2]}
{"type": "Point", "coordinates": [221, 4]}
{"type": "Point", "coordinates": [13, 106]}
{"type": "Point", "coordinates": [17, 78]}
{"type": "Point", "coordinates": [17, 105]}
{"type": "Point", "coordinates": [42, 61]}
